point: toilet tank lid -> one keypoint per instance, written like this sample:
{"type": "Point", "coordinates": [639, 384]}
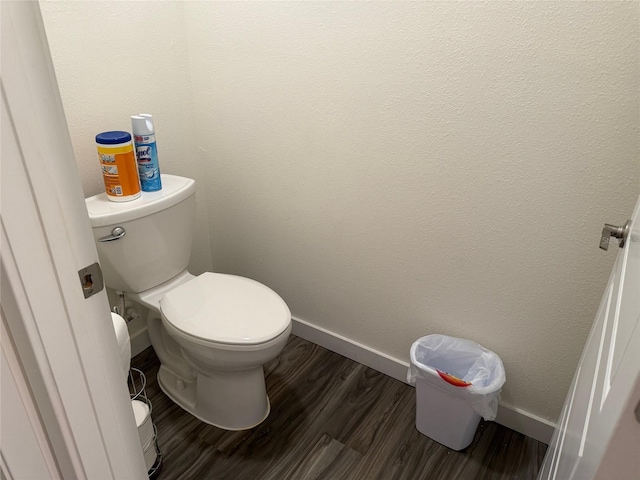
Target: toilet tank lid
{"type": "Point", "coordinates": [103, 211]}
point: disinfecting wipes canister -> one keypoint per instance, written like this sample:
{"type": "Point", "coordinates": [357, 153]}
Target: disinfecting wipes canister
{"type": "Point", "coordinates": [118, 163]}
{"type": "Point", "coordinates": [146, 152]}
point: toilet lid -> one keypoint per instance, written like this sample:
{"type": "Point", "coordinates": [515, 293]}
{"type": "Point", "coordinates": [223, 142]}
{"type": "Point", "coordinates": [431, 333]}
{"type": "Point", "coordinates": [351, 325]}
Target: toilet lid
{"type": "Point", "coordinates": [226, 309]}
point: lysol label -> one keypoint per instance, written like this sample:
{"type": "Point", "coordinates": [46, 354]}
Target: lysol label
{"type": "Point", "coordinates": [147, 156]}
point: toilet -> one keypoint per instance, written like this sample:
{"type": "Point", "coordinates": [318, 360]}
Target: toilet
{"type": "Point", "coordinates": [213, 332]}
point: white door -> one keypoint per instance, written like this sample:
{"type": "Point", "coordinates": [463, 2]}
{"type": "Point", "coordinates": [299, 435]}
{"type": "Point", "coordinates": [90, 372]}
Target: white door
{"type": "Point", "coordinates": [28, 454]}
{"type": "Point", "coordinates": [598, 434]}
{"type": "Point", "coordinates": [65, 408]}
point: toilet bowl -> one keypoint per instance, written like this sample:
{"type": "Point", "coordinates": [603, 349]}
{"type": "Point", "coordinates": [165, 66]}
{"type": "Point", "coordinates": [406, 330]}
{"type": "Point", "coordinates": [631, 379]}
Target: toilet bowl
{"type": "Point", "coordinates": [212, 333]}
{"type": "Point", "coordinates": [216, 371]}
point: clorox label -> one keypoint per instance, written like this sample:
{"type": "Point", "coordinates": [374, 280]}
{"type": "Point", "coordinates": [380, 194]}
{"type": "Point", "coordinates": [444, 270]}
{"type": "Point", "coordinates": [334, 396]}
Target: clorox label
{"type": "Point", "coordinates": [119, 171]}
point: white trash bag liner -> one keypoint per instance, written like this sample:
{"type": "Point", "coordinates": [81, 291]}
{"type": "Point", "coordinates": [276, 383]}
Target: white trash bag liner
{"type": "Point", "coordinates": [464, 359]}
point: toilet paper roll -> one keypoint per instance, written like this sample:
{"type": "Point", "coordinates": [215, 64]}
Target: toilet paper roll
{"type": "Point", "coordinates": [142, 414]}
{"type": "Point", "coordinates": [124, 345]}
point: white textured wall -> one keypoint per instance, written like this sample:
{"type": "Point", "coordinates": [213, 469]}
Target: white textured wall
{"type": "Point", "coordinates": [117, 59]}
{"type": "Point", "coordinates": [398, 169]}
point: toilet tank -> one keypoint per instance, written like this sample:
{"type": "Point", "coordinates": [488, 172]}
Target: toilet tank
{"type": "Point", "coordinates": [158, 232]}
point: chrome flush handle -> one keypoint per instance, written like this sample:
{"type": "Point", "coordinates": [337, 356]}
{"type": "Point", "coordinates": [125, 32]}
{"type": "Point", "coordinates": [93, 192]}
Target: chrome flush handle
{"type": "Point", "coordinates": [621, 233]}
{"type": "Point", "coordinates": [116, 233]}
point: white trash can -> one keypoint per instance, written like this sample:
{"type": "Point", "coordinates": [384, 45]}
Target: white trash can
{"type": "Point", "coordinates": [457, 382]}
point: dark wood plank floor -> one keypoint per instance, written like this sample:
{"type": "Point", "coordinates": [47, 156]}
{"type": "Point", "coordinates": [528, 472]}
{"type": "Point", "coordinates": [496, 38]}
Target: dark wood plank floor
{"type": "Point", "coordinates": [331, 418]}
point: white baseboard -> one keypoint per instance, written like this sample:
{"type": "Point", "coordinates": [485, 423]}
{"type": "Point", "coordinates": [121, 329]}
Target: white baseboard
{"type": "Point", "coordinates": [379, 361]}
{"type": "Point", "coordinates": [524, 422]}
{"type": "Point", "coordinates": [509, 416]}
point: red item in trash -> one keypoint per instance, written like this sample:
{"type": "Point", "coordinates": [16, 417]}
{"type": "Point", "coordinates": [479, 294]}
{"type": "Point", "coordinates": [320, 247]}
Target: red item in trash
{"type": "Point", "coordinates": [452, 379]}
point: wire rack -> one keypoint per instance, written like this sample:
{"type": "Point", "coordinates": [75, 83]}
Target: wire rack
{"type": "Point", "coordinates": [137, 382]}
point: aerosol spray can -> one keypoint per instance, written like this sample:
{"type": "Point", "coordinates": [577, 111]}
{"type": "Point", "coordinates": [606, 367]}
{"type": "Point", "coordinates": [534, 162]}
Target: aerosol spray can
{"type": "Point", "coordinates": [144, 136]}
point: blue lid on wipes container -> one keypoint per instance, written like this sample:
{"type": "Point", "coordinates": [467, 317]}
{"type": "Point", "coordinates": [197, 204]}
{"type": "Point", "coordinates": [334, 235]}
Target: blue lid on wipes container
{"type": "Point", "coordinates": [113, 138]}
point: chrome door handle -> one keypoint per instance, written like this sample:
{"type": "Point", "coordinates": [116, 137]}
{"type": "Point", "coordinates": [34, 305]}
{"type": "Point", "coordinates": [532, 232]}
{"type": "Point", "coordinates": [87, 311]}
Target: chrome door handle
{"type": "Point", "coordinates": [116, 233]}
{"type": "Point", "coordinates": [621, 233]}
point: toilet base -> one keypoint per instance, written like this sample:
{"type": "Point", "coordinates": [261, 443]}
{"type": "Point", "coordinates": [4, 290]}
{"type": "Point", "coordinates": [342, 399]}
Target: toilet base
{"type": "Point", "coordinates": [231, 401]}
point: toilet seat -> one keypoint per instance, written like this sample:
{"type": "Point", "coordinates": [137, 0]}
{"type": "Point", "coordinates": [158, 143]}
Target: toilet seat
{"type": "Point", "coordinates": [226, 309]}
